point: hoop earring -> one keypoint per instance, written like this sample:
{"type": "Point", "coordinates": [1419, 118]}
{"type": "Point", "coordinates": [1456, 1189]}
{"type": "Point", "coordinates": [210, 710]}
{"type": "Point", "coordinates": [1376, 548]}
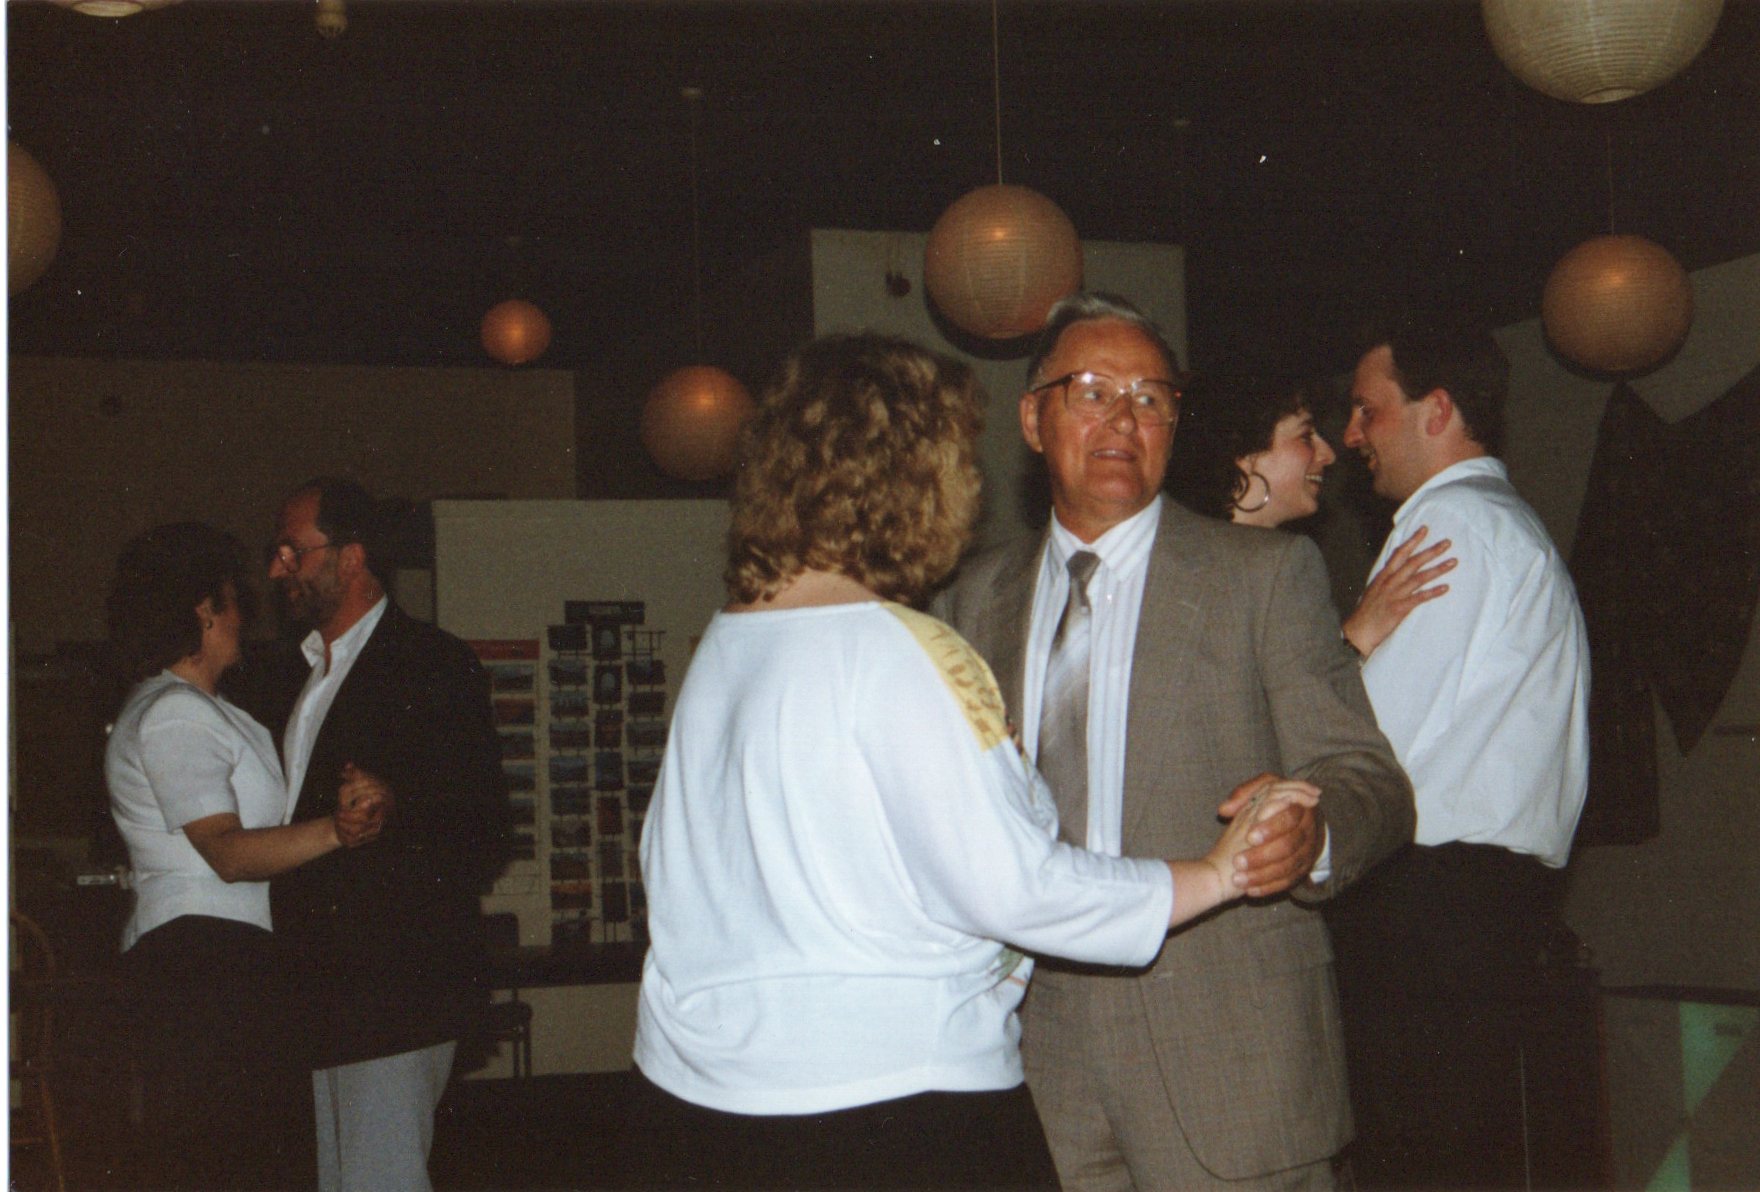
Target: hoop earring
{"type": "Point", "coordinates": [1240, 508]}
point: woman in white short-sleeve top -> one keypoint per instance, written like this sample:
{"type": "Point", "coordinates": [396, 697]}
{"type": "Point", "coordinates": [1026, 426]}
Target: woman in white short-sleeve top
{"type": "Point", "coordinates": [846, 846]}
{"type": "Point", "coordinates": [197, 793]}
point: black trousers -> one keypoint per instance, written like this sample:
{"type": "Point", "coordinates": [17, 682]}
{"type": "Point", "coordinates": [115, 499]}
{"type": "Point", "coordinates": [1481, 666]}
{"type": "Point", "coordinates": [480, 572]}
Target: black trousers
{"type": "Point", "coordinates": [1438, 959]}
{"type": "Point", "coordinates": [930, 1140]}
{"type": "Point", "coordinates": [227, 1104]}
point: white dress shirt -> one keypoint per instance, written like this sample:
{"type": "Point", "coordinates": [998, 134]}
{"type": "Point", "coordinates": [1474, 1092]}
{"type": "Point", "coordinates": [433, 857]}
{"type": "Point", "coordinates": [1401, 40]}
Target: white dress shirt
{"type": "Point", "coordinates": [1484, 692]}
{"type": "Point", "coordinates": [1116, 594]}
{"type": "Point", "coordinates": [319, 693]}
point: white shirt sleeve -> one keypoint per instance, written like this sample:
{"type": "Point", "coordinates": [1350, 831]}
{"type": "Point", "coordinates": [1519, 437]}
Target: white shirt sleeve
{"type": "Point", "coordinates": [189, 754]}
{"type": "Point", "coordinates": [974, 831]}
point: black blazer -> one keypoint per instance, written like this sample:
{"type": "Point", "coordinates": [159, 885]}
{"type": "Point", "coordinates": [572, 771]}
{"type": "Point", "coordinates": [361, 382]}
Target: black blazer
{"type": "Point", "coordinates": [387, 938]}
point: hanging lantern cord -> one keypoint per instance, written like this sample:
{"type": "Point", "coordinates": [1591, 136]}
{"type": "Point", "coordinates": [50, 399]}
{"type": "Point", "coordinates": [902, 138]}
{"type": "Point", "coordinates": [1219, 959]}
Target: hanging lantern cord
{"type": "Point", "coordinates": [1607, 146]}
{"type": "Point", "coordinates": [996, 85]}
{"type": "Point", "coordinates": [693, 96]}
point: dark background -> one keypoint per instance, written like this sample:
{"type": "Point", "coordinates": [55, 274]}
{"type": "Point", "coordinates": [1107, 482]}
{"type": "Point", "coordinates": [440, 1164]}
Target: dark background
{"type": "Point", "coordinates": [236, 187]}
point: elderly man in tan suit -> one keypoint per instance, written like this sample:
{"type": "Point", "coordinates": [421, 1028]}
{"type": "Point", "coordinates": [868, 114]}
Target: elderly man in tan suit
{"type": "Point", "coordinates": [1162, 667]}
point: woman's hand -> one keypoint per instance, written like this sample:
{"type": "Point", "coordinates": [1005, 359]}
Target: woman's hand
{"type": "Point", "coordinates": [1271, 795]}
{"type": "Point", "coordinates": [1396, 590]}
{"type": "Point", "coordinates": [1220, 876]}
{"type": "Point", "coordinates": [363, 804]}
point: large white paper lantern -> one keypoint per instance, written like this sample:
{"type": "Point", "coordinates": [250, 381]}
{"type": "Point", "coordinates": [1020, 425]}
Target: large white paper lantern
{"type": "Point", "coordinates": [1598, 51]}
{"type": "Point", "coordinates": [691, 422]}
{"type": "Point", "coordinates": [998, 258]}
{"type": "Point", "coordinates": [1617, 304]}
{"type": "Point", "coordinates": [113, 8]}
{"type": "Point", "coordinates": [33, 219]}
{"type": "Point", "coordinates": [515, 331]}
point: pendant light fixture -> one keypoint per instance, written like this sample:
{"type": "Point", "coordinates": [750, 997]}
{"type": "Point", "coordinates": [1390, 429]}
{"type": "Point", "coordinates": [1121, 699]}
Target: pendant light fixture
{"type": "Point", "coordinates": [691, 419]}
{"type": "Point", "coordinates": [1598, 51]}
{"type": "Point", "coordinates": [1617, 303]}
{"type": "Point", "coordinates": [999, 257]}
{"type": "Point", "coordinates": [113, 8]}
{"type": "Point", "coordinates": [515, 331]}
{"type": "Point", "coordinates": [33, 219]}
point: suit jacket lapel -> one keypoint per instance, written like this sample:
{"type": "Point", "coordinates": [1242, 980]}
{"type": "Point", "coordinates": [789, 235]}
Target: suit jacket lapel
{"type": "Point", "coordinates": [351, 714]}
{"type": "Point", "coordinates": [1174, 590]}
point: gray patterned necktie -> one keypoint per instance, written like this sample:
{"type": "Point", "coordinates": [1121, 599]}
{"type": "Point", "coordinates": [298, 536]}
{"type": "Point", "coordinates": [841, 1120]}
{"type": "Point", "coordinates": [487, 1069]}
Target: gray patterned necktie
{"type": "Point", "coordinates": [1063, 716]}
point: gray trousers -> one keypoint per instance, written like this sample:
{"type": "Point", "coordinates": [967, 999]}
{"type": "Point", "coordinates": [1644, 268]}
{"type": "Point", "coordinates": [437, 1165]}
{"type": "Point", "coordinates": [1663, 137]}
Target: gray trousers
{"type": "Point", "coordinates": [376, 1120]}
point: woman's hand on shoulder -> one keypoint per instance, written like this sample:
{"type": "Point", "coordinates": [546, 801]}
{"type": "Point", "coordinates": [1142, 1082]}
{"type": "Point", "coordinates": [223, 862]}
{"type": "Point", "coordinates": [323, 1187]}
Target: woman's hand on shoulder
{"type": "Point", "coordinates": [1405, 581]}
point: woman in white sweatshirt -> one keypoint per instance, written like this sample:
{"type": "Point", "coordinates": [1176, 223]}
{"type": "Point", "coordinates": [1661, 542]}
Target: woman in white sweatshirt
{"type": "Point", "coordinates": [847, 854]}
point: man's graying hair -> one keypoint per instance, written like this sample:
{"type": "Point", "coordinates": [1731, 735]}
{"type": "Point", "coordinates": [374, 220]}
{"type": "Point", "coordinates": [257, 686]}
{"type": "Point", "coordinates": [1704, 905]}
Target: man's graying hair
{"type": "Point", "coordinates": [1089, 307]}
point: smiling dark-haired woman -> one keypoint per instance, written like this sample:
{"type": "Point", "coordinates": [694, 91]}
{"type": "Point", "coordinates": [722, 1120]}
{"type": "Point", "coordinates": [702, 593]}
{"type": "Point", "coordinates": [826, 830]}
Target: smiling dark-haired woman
{"type": "Point", "coordinates": [197, 793]}
{"type": "Point", "coordinates": [1248, 452]}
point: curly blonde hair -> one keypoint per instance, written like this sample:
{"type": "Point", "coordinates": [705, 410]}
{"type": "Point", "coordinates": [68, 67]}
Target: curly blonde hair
{"type": "Point", "coordinates": [861, 460]}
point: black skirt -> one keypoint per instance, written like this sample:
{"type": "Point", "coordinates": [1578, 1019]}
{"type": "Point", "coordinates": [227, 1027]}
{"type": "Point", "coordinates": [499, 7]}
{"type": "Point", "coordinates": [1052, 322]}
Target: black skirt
{"type": "Point", "coordinates": [929, 1140]}
{"type": "Point", "coordinates": [227, 1098]}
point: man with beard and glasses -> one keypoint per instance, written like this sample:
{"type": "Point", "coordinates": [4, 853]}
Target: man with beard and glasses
{"type": "Point", "coordinates": [388, 939]}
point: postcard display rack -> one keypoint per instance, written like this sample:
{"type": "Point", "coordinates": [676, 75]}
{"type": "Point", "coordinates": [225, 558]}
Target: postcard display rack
{"type": "Point", "coordinates": [582, 720]}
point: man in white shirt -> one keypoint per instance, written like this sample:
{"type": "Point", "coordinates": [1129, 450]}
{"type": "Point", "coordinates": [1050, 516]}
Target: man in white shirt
{"type": "Point", "coordinates": [1210, 654]}
{"type": "Point", "coordinates": [1483, 694]}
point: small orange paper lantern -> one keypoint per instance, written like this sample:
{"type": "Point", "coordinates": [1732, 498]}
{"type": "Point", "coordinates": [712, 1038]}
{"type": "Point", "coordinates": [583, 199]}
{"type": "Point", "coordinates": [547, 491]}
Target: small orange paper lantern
{"type": "Point", "coordinates": [998, 258]}
{"type": "Point", "coordinates": [1598, 51]}
{"type": "Point", "coordinates": [33, 219]}
{"type": "Point", "coordinates": [1617, 304]}
{"type": "Point", "coordinates": [690, 424]}
{"type": "Point", "coordinates": [515, 332]}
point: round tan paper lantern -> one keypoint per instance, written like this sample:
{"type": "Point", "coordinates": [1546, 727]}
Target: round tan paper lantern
{"type": "Point", "coordinates": [690, 424]}
{"type": "Point", "coordinates": [332, 18]}
{"type": "Point", "coordinates": [33, 220]}
{"type": "Point", "coordinates": [998, 258]}
{"type": "Point", "coordinates": [515, 332]}
{"type": "Point", "coordinates": [1598, 51]}
{"type": "Point", "coordinates": [1617, 304]}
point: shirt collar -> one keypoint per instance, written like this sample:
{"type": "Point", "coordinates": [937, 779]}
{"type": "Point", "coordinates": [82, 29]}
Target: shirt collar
{"type": "Point", "coordinates": [1121, 548]}
{"type": "Point", "coordinates": [1479, 465]}
{"type": "Point", "coordinates": [344, 647]}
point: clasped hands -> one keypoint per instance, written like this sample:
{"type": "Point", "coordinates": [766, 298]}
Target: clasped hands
{"type": "Point", "coordinates": [363, 804]}
{"type": "Point", "coordinates": [1284, 833]}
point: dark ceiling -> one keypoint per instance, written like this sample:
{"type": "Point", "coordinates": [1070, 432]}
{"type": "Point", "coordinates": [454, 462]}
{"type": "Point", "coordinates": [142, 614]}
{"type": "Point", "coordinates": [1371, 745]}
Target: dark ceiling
{"type": "Point", "coordinates": [235, 187]}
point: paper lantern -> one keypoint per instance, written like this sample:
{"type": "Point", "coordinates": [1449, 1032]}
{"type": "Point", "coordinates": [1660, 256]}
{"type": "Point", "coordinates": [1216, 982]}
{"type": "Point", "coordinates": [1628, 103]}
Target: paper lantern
{"type": "Point", "coordinates": [515, 332]}
{"type": "Point", "coordinates": [33, 219]}
{"type": "Point", "coordinates": [1598, 51]}
{"type": "Point", "coordinates": [1617, 304]}
{"type": "Point", "coordinates": [332, 18]}
{"type": "Point", "coordinates": [113, 8]}
{"type": "Point", "coordinates": [690, 424]}
{"type": "Point", "coordinates": [998, 258]}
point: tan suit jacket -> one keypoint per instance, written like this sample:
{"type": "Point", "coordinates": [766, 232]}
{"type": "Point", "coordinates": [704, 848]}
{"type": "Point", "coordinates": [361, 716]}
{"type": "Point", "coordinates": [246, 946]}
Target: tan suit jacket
{"type": "Point", "coordinates": [1238, 669]}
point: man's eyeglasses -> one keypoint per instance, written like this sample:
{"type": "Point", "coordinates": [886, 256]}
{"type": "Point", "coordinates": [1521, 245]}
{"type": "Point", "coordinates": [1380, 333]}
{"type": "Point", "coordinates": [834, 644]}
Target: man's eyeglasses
{"type": "Point", "coordinates": [289, 555]}
{"type": "Point", "coordinates": [1089, 396]}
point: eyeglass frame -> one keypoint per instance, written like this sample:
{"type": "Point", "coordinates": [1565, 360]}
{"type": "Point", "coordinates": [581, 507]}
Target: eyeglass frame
{"type": "Point", "coordinates": [1092, 413]}
{"type": "Point", "coordinates": [291, 556]}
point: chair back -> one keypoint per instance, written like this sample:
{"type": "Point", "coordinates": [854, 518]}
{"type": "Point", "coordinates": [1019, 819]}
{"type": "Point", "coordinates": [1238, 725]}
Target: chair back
{"type": "Point", "coordinates": [34, 1005]}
